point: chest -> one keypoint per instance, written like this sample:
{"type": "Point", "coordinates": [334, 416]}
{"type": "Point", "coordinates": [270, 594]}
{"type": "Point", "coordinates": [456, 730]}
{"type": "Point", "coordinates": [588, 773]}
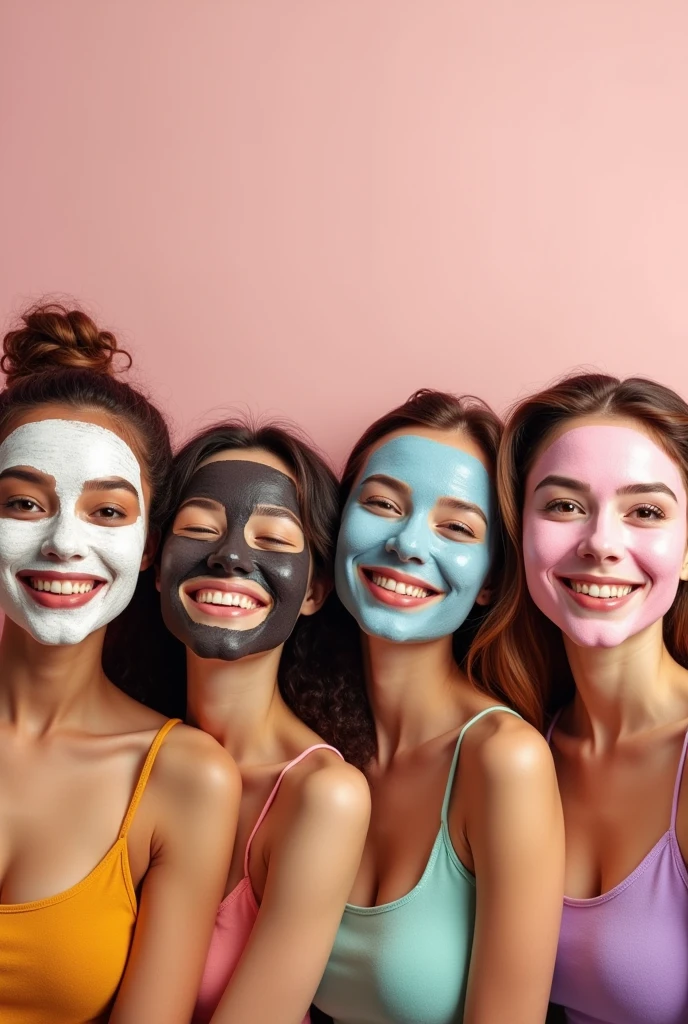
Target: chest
{"type": "Point", "coordinates": [616, 808]}
{"type": "Point", "coordinates": [405, 820]}
{"type": "Point", "coordinates": [61, 809]}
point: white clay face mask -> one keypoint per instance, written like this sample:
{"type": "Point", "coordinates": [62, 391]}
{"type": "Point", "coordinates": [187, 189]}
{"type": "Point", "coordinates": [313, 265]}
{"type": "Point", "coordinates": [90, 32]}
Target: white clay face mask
{"type": "Point", "coordinates": [63, 575]}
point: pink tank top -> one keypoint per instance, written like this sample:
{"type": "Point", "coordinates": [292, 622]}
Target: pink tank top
{"type": "Point", "coordinates": [623, 956]}
{"type": "Point", "coordinates": [235, 919]}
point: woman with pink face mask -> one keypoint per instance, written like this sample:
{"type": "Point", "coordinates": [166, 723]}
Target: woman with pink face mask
{"type": "Point", "coordinates": [594, 611]}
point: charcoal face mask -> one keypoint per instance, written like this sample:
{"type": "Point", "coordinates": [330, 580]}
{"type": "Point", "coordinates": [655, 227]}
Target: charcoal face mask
{"type": "Point", "coordinates": [242, 489]}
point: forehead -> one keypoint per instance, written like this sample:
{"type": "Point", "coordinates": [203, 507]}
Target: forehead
{"type": "Point", "coordinates": [70, 450]}
{"type": "Point", "coordinates": [607, 454]}
{"type": "Point", "coordinates": [241, 485]}
{"type": "Point", "coordinates": [431, 468]}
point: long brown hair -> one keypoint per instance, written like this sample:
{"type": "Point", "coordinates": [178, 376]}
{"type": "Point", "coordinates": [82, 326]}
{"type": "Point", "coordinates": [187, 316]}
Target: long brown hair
{"type": "Point", "coordinates": [517, 648]}
{"type": "Point", "coordinates": [425, 408]}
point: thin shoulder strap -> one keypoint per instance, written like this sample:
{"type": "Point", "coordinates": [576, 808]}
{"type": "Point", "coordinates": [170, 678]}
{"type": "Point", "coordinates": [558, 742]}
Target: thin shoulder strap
{"type": "Point", "coordinates": [677, 783]}
{"type": "Point", "coordinates": [145, 773]}
{"type": "Point", "coordinates": [455, 759]}
{"type": "Point", "coordinates": [273, 793]}
{"type": "Point", "coordinates": [550, 728]}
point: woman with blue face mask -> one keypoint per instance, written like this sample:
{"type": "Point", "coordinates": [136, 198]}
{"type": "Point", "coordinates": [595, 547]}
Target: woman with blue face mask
{"type": "Point", "coordinates": [454, 913]}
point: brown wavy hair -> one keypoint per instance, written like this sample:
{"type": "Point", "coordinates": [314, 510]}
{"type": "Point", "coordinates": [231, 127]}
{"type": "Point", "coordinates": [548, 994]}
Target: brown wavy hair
{"type": "Point", "coordinates": [518, 649]}
{"type": "Point", "coordinates": [424, 408]}
{"type": "Point", "coordinates": [309, 687]}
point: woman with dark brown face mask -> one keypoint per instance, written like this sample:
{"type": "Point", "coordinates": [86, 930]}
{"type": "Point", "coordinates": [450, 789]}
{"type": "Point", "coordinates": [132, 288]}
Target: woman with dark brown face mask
{"type": "Point", "coordinates": [246, 563]}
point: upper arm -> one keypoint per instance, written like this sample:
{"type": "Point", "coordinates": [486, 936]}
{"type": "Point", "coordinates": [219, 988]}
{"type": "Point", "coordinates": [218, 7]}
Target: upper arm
{"type": "Point", "coordinates": [516, 834]}
{"type": "Point", "coordinates": [197, 793]}
{"type": "Point", "coordinates": [312, 865]}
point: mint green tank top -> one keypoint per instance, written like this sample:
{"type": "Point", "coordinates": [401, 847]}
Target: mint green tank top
{"type": "Point", "coordinates": [407, 962]}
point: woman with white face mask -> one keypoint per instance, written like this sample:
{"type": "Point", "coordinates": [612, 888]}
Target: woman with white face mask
{"type": "Point", "coordinates": [454, 913]}
{"type": "Point", "coordinates": [594, 612]}
{"type": "Point", "coordinates": [116, 825]}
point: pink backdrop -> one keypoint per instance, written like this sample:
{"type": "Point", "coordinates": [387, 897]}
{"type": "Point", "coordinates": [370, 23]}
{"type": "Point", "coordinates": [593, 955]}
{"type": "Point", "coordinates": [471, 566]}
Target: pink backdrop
{"type": "Point", "coordinates": [312, 207]}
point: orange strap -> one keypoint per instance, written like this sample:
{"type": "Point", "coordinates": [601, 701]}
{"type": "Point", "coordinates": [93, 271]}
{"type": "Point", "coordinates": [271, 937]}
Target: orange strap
{"type": "Point", "coordinates": [145, 772]}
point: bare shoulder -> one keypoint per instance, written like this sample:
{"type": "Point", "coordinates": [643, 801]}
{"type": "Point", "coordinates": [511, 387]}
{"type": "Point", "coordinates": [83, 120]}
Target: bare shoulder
{"type": "Point", "coordinates": [505, 750]}
{"type": "Point", "coordinates": [329, 788]}
{"type": "Point", "coordinates": [192, 767]}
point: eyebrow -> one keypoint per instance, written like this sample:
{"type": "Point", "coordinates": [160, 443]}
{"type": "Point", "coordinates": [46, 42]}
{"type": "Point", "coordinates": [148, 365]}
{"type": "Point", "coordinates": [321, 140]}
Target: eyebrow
{"type": "Point", "coordinates": [213, 506]}
{"type": "Point", "coordinates": [463, 506]}
{"type": "Point", "coordinates": [279, 512]}
{"type": "Point", "coordinates": [28, 475]}
{"type": "Point", "coordinates": [113, 483]}
{"type": "Point", "coordinates": [656, 487]}
{"type": "Point", "coordinates": [389, 481]}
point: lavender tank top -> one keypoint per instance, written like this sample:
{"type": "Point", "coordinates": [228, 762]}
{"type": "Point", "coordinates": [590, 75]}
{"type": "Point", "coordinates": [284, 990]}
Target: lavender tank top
{"type": "Point", "coordinates": [623, 956]}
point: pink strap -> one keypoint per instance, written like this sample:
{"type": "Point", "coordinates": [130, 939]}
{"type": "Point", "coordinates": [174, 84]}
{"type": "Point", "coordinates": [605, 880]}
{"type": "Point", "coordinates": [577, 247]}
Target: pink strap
{"type": "Point", "coordinates": [677, 784]}
{"type": "Point", "coordinates": [273, 794]}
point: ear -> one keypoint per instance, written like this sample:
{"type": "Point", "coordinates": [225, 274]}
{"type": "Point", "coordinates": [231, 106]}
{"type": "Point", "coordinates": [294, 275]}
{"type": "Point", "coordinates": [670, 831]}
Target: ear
{"type": "Point", "coordinates": [684, 568]}
{"type": "Point", "coordinates": [317, 592]}
{"type": "Point", "coordinates": [485, 596]}
{"type": "Point", "coordinates": [150, 548]}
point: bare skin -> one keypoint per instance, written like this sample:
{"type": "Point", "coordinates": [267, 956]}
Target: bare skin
{"type": "Point", "coordinates": [505, 817]}
{"type": "Point", "coordinates": [305, 854]}
{"type": "Point", "coordinates": [71, 749]}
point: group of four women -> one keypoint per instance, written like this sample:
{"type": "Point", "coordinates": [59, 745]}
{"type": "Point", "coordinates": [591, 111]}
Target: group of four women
{"type": "Point", "coordinates": [363, 816]}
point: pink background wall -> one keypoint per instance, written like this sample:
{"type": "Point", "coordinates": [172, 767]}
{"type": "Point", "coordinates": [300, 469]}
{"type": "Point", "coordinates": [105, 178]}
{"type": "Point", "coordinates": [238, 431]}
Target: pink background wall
{"type": "Point", "coordinates": [313, 207]}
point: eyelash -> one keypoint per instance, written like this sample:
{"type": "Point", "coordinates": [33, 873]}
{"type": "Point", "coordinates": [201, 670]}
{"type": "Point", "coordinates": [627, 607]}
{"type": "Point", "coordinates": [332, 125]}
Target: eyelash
{"type": "Point", "coordinates": [14, 504]}
{"type": "Point", "coordinates": [457, 528]}
{"type": "Point", "coordinates": [383, 503]}
{"type": "Point", "coordinates": [556, 506]}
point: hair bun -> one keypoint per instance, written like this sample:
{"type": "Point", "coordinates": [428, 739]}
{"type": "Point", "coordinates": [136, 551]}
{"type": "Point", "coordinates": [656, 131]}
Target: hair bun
{"type": "Point", "coordinates": [54, 337]}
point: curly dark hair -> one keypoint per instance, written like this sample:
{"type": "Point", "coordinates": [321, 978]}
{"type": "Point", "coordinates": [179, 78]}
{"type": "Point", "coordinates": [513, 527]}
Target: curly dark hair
{"type": "Point", "coordinates": [311, 688]}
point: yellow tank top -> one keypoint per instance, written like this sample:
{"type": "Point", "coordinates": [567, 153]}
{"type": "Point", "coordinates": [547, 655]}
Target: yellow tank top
{"type": "Point", "coordinates": [62, 958]}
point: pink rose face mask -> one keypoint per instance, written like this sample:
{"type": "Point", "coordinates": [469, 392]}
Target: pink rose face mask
{"type": "Point", "coordinates": [604, 533]}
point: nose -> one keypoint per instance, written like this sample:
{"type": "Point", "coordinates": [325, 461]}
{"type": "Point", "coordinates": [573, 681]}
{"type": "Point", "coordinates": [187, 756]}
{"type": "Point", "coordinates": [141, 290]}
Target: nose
{"type": "Point", "coordinates": [233, 555]}
{"type": "Point", "coordinates": [603, 539]}
{"type": "Point", "coordinates": [66, 539]}
{"type": "Point", "coordinates": [410, 543]}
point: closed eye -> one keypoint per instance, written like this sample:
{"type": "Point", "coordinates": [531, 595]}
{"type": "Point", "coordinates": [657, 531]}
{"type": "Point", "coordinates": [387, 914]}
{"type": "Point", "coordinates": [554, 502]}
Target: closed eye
{"type": "Point", "coordinates": [206, 531]}
{"type": "Point", "coordinates": [459, 530]}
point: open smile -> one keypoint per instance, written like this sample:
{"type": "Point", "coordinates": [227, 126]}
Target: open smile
{"type": "Point", "coordinates": [398, 589]}
{"type": "Point", "coordinates": [598, 593]}
{"type": "Point", "coordinates": [232, 600]}
{"type": "Point", "coordinates": [60, 589]}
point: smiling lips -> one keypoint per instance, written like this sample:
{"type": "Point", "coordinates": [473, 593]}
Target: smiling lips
{"type": "Point", "coordinates": [58, 590]}
{"type": "Point", "coordinates": [396, 588]}
{"type": "Point", "coordinates": [597, 593]}
{"type": "Point", "coordinates": [226, 598]}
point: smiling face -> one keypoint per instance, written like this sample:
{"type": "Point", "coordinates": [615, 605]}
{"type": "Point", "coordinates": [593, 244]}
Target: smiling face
{"type": "Point", "coordinates": [604, 532]}
{"type": "Point", "coordinates": [414, 546]}
{"type": "Point", "coordinates": [72, 527]}
{"type": "Point", "coordinates": [235, 567]}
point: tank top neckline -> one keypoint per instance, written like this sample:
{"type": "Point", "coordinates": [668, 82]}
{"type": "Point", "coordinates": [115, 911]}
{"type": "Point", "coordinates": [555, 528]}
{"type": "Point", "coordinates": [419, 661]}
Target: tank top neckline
{"type": "Point", "coordinates": [119, 846]}
{"type": "Point", "coordinates": [245, 881]}
{"type": "Point", "coordinates": [442, 834]}
{"type": "Point", "coordinates": [667, 838]}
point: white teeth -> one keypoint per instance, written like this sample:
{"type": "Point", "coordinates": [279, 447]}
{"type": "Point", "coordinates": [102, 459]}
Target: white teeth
{"type": "Point", "coordinates": [62, 586]}
{"type": "Point", "coordinates": [605, 591]}
{"type": "Point", "coordinates": [407, 589]}
{"type": "Point", "coordinates": [226, 598]}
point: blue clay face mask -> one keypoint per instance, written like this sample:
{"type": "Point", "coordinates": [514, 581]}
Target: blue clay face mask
{"type": "Point", "coordinates": [415, 540]}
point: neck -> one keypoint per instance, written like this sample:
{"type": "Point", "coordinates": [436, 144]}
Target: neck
{"type": "Point", "coordinates": [238, 703]}
{"type": "Point", "coordinates": [412, 690]}
{"type": "Point", "coordinates": [626, 689]}
{"type": "Point", "coordinates": [43, 687]}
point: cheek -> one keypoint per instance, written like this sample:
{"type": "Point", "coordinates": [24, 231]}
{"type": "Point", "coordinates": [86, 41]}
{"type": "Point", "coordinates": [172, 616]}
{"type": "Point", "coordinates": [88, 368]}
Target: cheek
{"type": "Point", "coordinates": [546, 543]}
{"type": "Point", "coordinates": [19, 541]}
{"type": "Point", "coordinates": [179, 557]}
{"type": "Point", "coordinates": [361, 531]}
{"type": "Point", "coordinates": [659, 552]}
{"type": "Point", "coordinates": [464, 565]}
